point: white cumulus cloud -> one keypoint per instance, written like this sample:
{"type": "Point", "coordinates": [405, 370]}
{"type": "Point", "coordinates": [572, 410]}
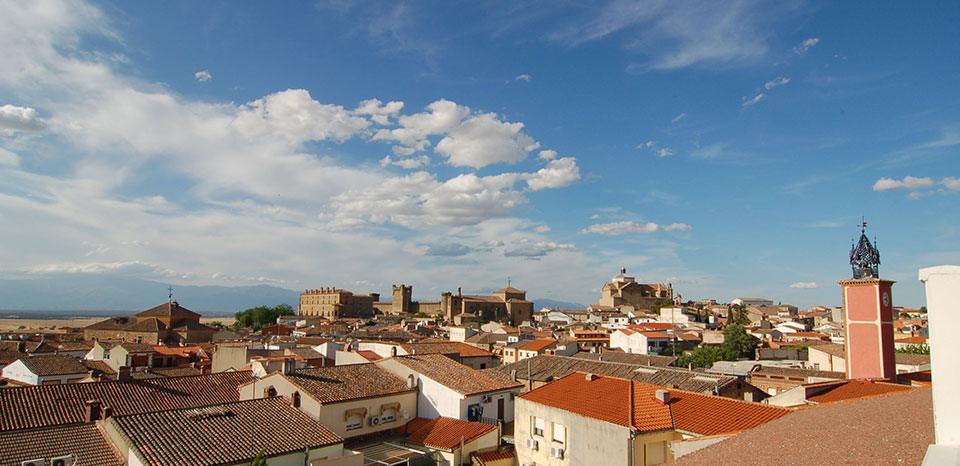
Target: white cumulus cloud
{"type": "Point", "coordinates": [408, 163]}
{"type": "Point", "coordinates": [778, 81]}
{"type": "Point", "coordinates": [805, 285]}
{"type": "Point", "coordinates": [748, 102]}
{"type": "Point", "coordinates": [378, 111]}
{"type": "Point", "coordinates": [908, 182]}
{"type": "Point", "coordinates": [14, 118]}
{"type": "Point", "coordinates": [806, 45]}
{"type": "Point", "coordinates": [627, 227]}
{"type": "Point", "coordinates": [951, 183]}
{"type": "Point", "coordinates": [484, 140]}
{"type": "Point", "coordinates": [665, 152]}
{"type": "Point", "coordinates": [296, 116]}
{"type": "Point", "coordinates": [547, 154]}
{"type": "Point", "coordinates": [556, 174]}
{"type": "Point", "coordinates": [202, 76]}
{"type": "Point", "coordinates": [523, 77]}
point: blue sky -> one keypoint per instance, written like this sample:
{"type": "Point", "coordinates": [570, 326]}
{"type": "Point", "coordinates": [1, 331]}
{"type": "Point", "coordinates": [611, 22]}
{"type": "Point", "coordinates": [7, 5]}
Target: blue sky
{"type": "Point", "coordinates": [730, 148]}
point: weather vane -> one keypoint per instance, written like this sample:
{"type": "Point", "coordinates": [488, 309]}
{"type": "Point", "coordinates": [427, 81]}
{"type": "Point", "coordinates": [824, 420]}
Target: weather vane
{"type": "Point", "coordinates": [864, 257]}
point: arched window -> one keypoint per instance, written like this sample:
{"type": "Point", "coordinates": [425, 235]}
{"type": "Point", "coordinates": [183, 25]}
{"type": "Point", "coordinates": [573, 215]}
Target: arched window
{"type": "Point", "coordinates": [270, 392]}
{"type": "Point", "coordinates": [295, 399]}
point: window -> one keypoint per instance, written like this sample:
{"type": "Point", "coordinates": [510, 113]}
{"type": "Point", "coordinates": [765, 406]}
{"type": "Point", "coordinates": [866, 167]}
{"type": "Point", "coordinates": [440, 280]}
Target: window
{"type": "Point", "coordinates": [354, 422]}
{"type": "Point", "coordinates": [538, 426]}
{"type": "Point", "coordinates": [559, 432]}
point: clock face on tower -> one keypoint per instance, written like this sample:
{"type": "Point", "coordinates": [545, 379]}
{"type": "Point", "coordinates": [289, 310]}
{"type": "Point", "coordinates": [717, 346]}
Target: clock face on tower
{"type": "Point", "coordinates": [886, 298]}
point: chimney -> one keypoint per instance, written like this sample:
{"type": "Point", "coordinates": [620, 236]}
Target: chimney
{"type": "Point", "coordinates": [513, 375]}
{"type": "Point", "coordinates": [288, 365]}
{"type": "Point", "coordinates": [92, 412]}
{"type": "Point", "coordinates": [107, 412]}
{"type": "Point", "coordinates": [123, 374]}
{"type": "Point", "coordinates": [943, 291]}
{"type": "Point", "coordinates": [591, 377]}
{"type": "Point", "coordinates": [663, 396]}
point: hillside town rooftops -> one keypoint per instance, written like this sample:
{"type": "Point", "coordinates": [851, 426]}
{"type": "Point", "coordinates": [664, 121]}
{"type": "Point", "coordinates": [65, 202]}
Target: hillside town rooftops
{"type": "Point", "coordinates": [54, 365]}
{"type": "Point", "coordinates": [636, 405]}
{"type": "Point", "coordinates": [227, 433]}
{"type": "Point", "coordinates": [446, 433]}
{"type": "Point", "coordinates": [86, 441]}
{"type": "Point", "coordinates": [341, 383]}
{"type": "Point", "coordinates": [49, 405]}
{"type": "Point", "coordinates": [456, 376]}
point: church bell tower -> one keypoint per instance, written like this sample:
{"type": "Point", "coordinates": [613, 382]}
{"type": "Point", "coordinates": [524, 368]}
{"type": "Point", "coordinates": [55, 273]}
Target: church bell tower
{"type": "Point", "coordinates": [868, 315]}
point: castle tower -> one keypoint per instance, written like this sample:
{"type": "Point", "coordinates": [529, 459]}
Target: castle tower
{"type": "Point", "coordinates": [402, 296]}
{"type": "Point", "coordinates": [868, 315]}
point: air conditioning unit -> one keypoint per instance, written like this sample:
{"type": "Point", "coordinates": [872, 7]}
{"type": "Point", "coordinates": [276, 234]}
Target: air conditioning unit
{"type": "Point", "coordinates": [66, 460]}
{"type": "Point", "coordinates": [556, 452]}
{"type": "Point", "coordinates": [375, 421]}
{"type": "Point", "coordinates": [532, 444]}
{"type": "Point", "coordinates": [36, 462]}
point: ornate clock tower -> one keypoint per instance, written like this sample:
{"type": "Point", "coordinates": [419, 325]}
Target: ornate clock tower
{"type": "Point", "coordinates": [868, 315]}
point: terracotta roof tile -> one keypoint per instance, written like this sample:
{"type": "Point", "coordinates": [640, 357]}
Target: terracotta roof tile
{"type": "Point", "coordinates": [445, 433]}
{"type": "Point", "coordinates": [894, 429]}
{"type": "Point", "coordinates": [538, 345]}
{"type": "Point", "coordinates": [228, 433]}
{"type": "Point", "coordinates": [54, 365]}
{"type": "Point", "coordinates": [830, 392]}
{"type": "Point", "coordinates": [338, 383]}
{"type": "Point", "coordinates": [504, 453]}
{"type": "Point", "coordinates": [458, 377]}
{"type": "Point", "coordinates": [49, 405]}
{"type": "Point", "coordinates": [687, 411]}
{"type": "Point", "coordinates": [171, 308]}
{"type": "Point", "coordinates": [86, 441]}
{"type": "Point", "coordinates": [445, 347]}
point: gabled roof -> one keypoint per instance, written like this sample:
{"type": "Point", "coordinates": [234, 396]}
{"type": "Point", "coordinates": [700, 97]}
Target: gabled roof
{"type": "Point", "coordinates": [86, 441]}
{"type": "Point", "coordinates": [48, 405]}
{"type": "Point", "coordinates": [538, 345]}
{"type": "Point", "coordinates": [228, 433]}
{"type": "Point", "coordinates": [445, 433]}
{"type": "Point", "coordinates": [545, 368]}
{"type": "Point", "coordinates": [170, 308]}
{"type": "Point", "coordinates": [509, 289]}
{"type": "Point", "coordinates": [340, 383]}
{"type": "Point", "coordinates": [445, 347]}
{"type": "Point", "coordinates": [151, 324]}
{"type": "Point", "coordinates": [455, 376]}
{"type": "Point", "coordinates": [137, 347]}
{"type": "Point", "coordinates": [830, 392]}
{"type": "Point", "coordinates": [54, 365]}
{"type": "Point", "coordinates": [894, 429]}
{"type": "Point", "coordinates": [634, 404]}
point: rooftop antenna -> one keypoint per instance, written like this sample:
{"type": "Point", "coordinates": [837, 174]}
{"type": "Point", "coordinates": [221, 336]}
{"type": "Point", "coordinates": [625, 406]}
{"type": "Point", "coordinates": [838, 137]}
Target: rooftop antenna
{"type": "Point", "coordinates": [169, 294]}
{"type": "Point", "coordinates": [508, 281]}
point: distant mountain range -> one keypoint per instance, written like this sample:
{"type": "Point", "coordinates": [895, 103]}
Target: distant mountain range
{"type": "Point", "coordinates": [111, 293]}
{"type": "Point", "coordinates": [89, 294]}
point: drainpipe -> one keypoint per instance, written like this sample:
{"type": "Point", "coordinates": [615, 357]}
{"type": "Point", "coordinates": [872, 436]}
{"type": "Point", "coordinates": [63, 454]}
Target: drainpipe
{"type": "Point", "coordinates": [943, 292]}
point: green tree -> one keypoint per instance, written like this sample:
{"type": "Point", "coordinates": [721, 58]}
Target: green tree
{"type": "Point", "coordinates": [703, 356]}
{"type": "Point", "coordinates": [655, 307]}
{"type": "Point", "coordinates": [737, 343]}
{"type": "Point", "coordinates": [260, 460]}
{"type": "Point", "coordinates": [915, 349]}
{"type": "Point", "coordinates": [261, 316]}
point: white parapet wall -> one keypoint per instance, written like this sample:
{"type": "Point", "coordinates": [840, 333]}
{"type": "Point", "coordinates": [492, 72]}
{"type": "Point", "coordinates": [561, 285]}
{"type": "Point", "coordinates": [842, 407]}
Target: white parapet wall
{"type": "Point", "coordinates": [943, 308]}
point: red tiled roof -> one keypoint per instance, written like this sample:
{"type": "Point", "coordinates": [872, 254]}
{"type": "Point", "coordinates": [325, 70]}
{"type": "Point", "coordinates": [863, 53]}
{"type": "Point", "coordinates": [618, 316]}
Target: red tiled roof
{"type": "Point", "coordinates": [445, 347]}
{"type": "Point", "coordinates": [54, 365]}
{"type": "Point", "coordinates": [171, 308]}
{"type": "Point", "coordinates": [503, 453]}
{"type": "Point", "coordinates": [458, 377]}
{"type": "Point", "coordinates": [917, 340]}
{"type": "Point", "coordinates": [446, 433]}
{"type": "Point", "coordinates": [894, 429]}
{"type": "Point", "coordinates": [538, 345]}
{"type": "Point", "coordinates": [339, 383]}
{"type": "Point", "coordinates": [86, 441]}
{"type": "Point", "coordinates": [654, 334]}
{"type": "Point", "coordinates": [229, 433]}
{"type": "Point", "coordinates": [49, 405]}
{"type": "Point", "coordinates": [687, 411]}
{"type": "Point", "coordinates": [830, 392]}
{"type": "Point", "coordinates": [371, 356]}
